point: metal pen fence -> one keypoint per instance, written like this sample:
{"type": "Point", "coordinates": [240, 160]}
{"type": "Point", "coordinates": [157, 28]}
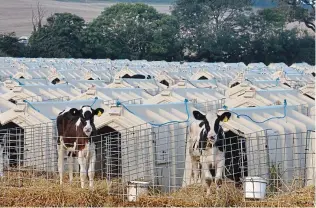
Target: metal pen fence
{"type": "Point", "coordinates": [210, 106]}
{"type": "Point", "coordinates": [159, 156]}
{"type": "Point", "coordinates": [132, 101]}
{"type": "Point", "coordinates": [304, 109]}
{"type": "Point", "coordinates": [39, 98]}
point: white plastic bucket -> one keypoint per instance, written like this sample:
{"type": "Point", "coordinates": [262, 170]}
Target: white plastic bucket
{"type": "Point", "coordinates": [255, 187]}
{"type": "Point", "coordinates": [135, 189]}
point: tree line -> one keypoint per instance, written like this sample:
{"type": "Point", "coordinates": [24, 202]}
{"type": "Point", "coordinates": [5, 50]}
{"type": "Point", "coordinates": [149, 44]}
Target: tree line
{"type": "Point", "coordinates": [196, 30]}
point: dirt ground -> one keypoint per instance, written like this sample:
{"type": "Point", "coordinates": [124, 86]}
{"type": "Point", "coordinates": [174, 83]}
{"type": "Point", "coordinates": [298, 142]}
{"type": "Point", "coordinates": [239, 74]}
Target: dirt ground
{"type": "Point", "coordinates": [16, 15]}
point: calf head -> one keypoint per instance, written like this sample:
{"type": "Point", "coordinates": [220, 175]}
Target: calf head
{"type": "Point", "coordinates": [86, 117]}
{"type": "Point", "coordinates": [211, 131]}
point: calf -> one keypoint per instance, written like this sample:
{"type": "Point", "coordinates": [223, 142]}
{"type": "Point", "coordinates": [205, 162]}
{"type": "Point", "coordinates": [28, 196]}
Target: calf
{"type": "Point", "coordinates": [207, 147]}
{"type": "Point", "coordinates": [75, 128]}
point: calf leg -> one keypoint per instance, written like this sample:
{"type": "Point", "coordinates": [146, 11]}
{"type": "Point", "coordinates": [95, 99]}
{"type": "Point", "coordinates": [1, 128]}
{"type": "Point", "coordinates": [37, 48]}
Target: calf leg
{"type": "Point", "coordinates": [208, 187]}
{"type": "Point", "coordinates": [207, 176]}
{"type": "Point", "coordinates": [206, 169]}
{"type": "Point", "coordinates": [195, 169]}
{"type": "Point", "coordinates": [91, 170]}
{"type": "Point", "coordinates": [219, 173]}
{"type": "Point", "coordinates": [238, 183]}
{"type": "Point", "coordinates": [60, 161]}
{"type": "Point", "coordinates": [70, 161]}
{"type": "Point", "coordinates": [83, 167]}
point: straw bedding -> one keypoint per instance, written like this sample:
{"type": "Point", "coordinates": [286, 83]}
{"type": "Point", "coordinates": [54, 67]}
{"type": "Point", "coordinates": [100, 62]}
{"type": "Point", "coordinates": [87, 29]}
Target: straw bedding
{"type": "Point", "coordinates": [41, 192]}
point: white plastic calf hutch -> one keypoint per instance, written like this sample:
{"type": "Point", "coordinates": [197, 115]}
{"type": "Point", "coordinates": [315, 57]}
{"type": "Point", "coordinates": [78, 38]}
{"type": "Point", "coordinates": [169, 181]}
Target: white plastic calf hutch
{"type": "Point", "coordinates": [23, 124]}
{"type": "Point", "coordinates": [257, 97]}
{"type": "Point", "coordinates": [10, 83]}
{"type": "Point", "coordinates": [308, 90]}
{"type": "Point", "coordinates": [34, 93]}
{"type": "Point", "coordinates": [37, 123]}
{"type": "Point", "coordinates": [135, 95]}
{"type": "Point", "coordinates": [287, 144]}
{"type": "Point", "coordinates": [196, 95]}
{"type": "Point", "coordinates": [281, 151]}
{"type": "Point", "coordinates": [149, 152]}
{"type": "Point", "coordinates": [150, 85]}
{"type": "Point", "coordinates": [170, 78]}
{"type": "Point", "coordinates": [84, 85]}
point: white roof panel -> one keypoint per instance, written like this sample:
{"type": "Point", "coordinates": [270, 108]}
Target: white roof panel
{"type": "Point", "coordinates": [52, 109]}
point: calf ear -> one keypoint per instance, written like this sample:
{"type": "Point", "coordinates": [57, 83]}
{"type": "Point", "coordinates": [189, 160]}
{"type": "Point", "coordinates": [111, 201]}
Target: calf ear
{"type": "Point", "coordinates": [74, 112]}
{"type": "Point", "coordinates": [98, 111]}
{"type": "Point", "coordinates": [199, 116]}
{"type": "Point", "coordinates": [225, 116]}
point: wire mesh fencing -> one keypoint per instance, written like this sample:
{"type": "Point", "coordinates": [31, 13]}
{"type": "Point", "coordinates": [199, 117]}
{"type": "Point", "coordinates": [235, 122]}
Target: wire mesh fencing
{"type": "Point", "coordinates": [133, 101]}
{"type": "Point", "coordinates": [210, 106]}
{"type": "Point", "coordinates": [40, 98]}
{"type": "Point", "coordinates": [159, 159]}
{"type": "Point", "coordinates": [305, 109]}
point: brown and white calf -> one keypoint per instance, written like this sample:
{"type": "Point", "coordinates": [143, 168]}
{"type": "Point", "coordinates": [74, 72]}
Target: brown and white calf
{"type": "Point", "coordinates": [207, 148]}
{"type": "Point", "coordinates": [75, 128]}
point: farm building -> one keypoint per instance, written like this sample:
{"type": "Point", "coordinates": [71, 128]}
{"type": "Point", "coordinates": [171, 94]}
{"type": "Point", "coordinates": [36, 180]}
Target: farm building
{"type": "Point", "coordinates": [148, 109]}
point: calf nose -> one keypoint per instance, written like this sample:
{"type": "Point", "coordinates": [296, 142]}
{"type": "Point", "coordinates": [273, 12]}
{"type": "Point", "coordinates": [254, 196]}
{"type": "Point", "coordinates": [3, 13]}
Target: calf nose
{"type": "Point", "coordinates": [212, 138]}
{"type": "Point", "coordinates": [87, 129]}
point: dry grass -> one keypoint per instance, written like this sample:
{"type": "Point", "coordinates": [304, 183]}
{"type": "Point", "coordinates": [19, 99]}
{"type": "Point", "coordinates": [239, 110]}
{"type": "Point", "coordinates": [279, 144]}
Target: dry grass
{"type": "Point", "coordinates": [228, 196]}
{"type": "Point", "coordinates": [55, 195]}
{"type": "Point", "coordinates": [41, 192]}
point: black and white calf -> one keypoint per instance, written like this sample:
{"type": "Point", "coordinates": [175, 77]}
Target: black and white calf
{"type": "Point", "coordinates": [207, 147]}
{"type": "Point", "coordinates": [75, 128]}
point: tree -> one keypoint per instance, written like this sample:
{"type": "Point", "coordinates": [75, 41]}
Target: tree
{"type": "Point", "coordinates": [274, 17]}
{"type": "Point", "coordinates": [37, 17]}
{"type": "Point", "coordinates": [60, 37]}
{"type": "Point", "coordinates": [2, 54]}
{"type": "Point", "coordinates": [306, 50]}
{"type": "Point", "coordinates": [201, 20]}
{"type": "Point", "coordinates": [302, 11]}
{"type": "Point", "coordinates": [132, 31]}
{"type": "Point", "coordinates": [10, 46]}
{"type": "Point", "coordinates": [166, 43]}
